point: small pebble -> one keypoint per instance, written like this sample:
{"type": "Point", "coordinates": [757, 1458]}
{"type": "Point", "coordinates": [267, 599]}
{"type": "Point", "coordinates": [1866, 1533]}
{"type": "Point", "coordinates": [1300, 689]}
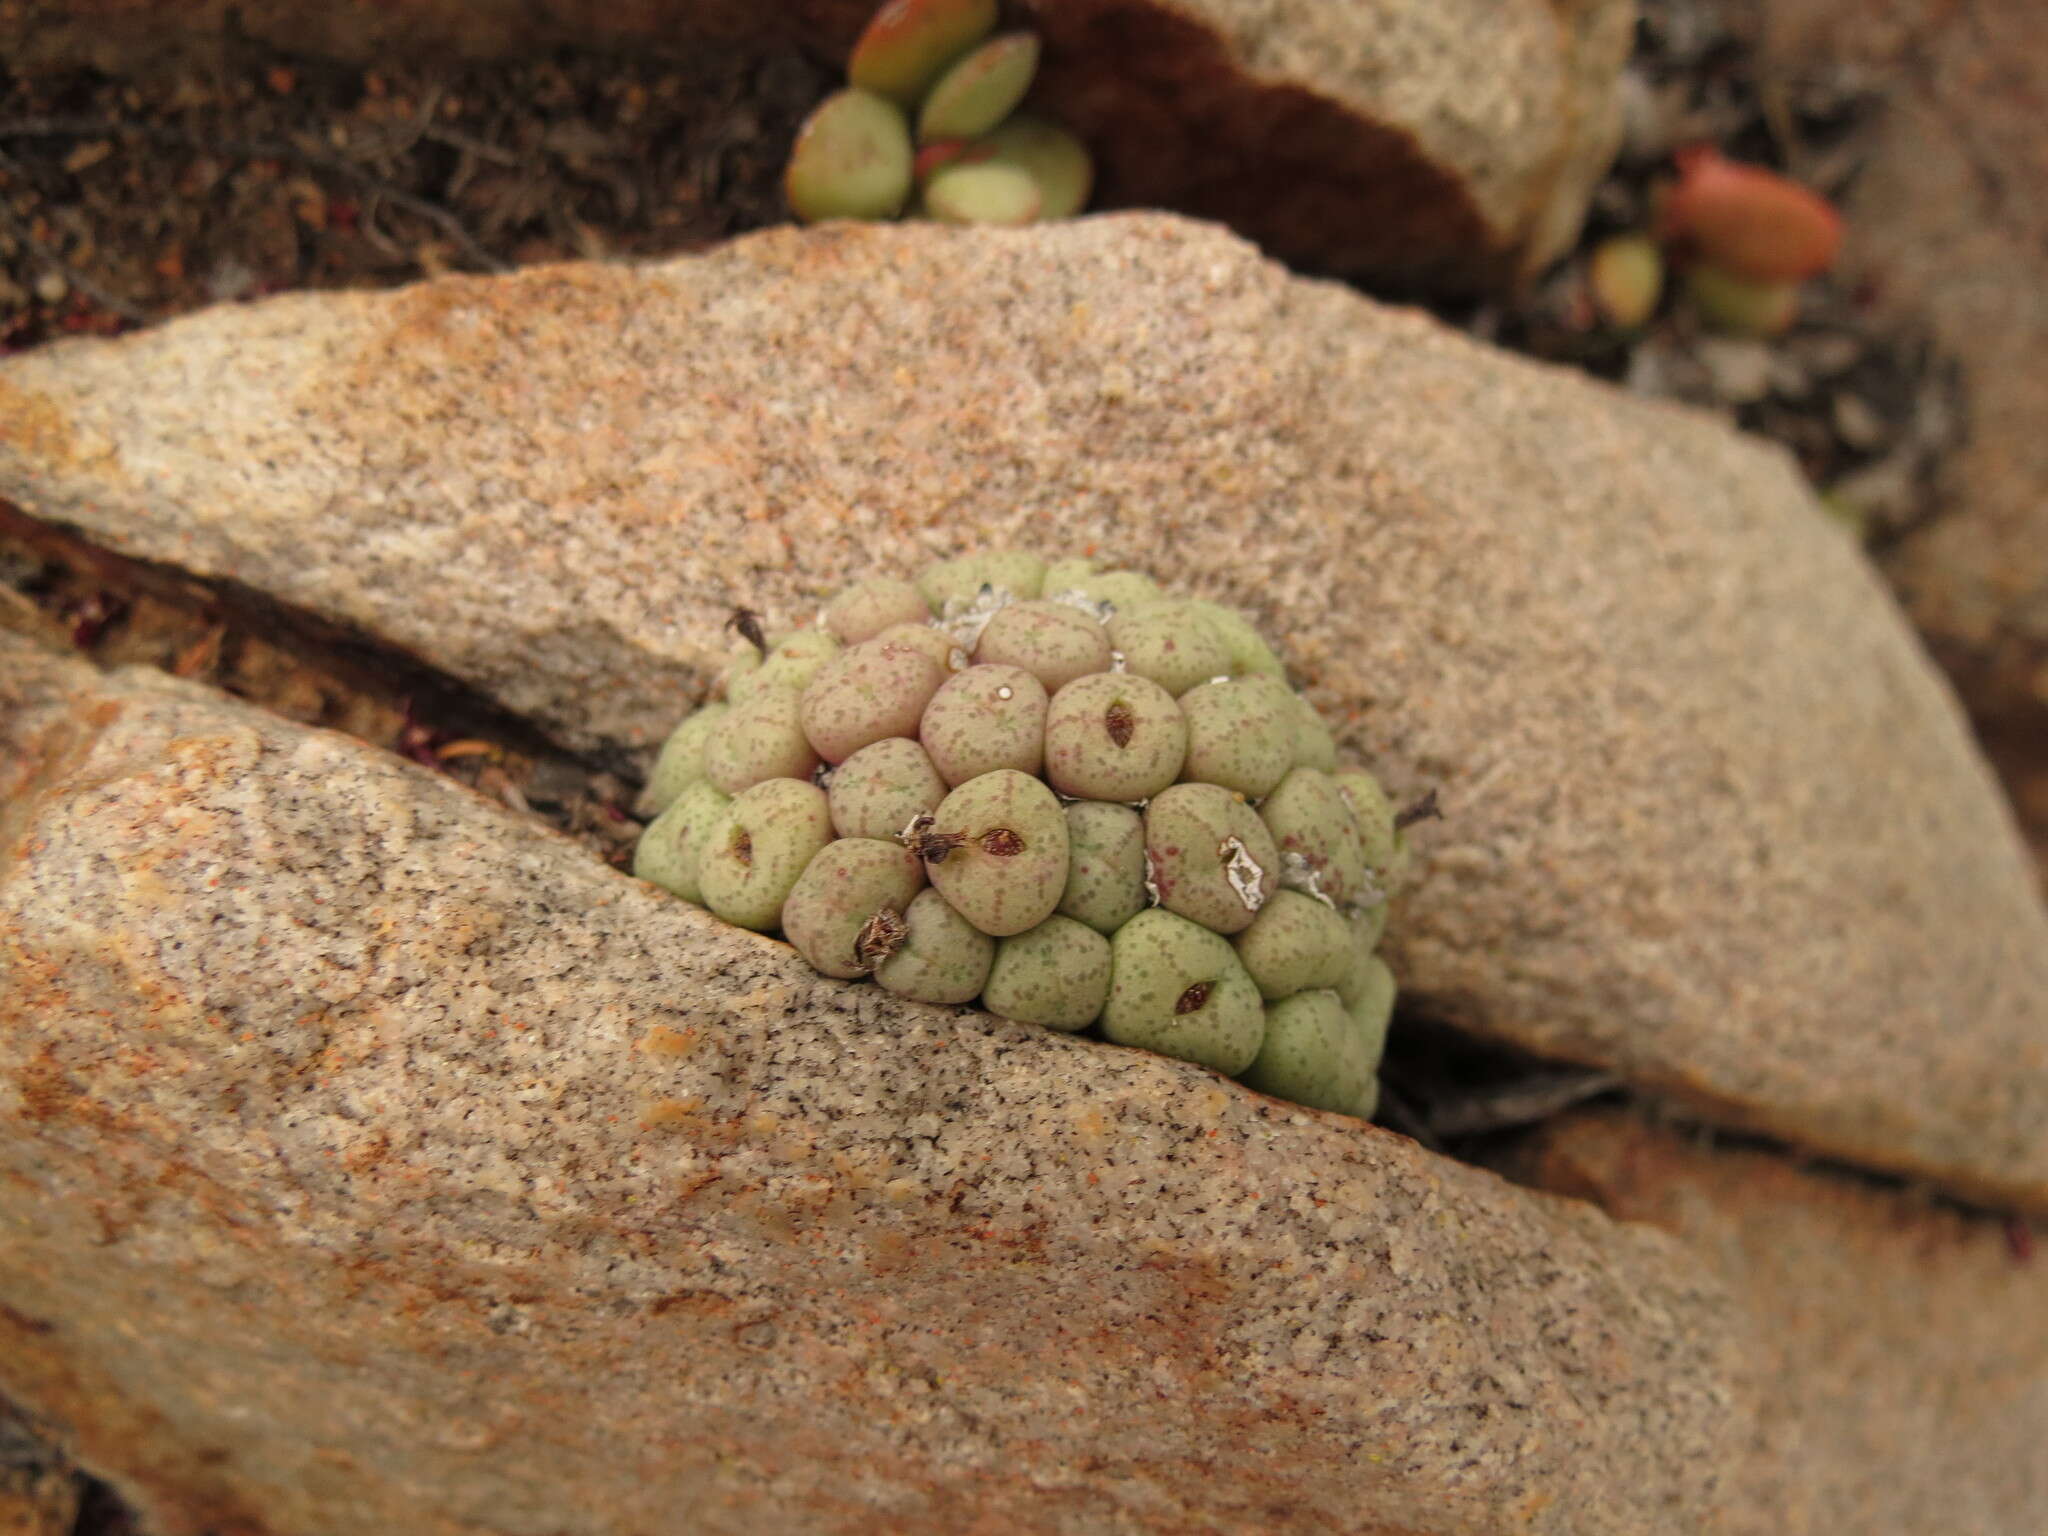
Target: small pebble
{"type": "Point", "coordinates": [1111, 736]}
{"type": "Point", "coordinates": [1170, 643]}
{"type": "Point", "coordinates": [1296, 944]}
{"type": "Point", "coordinates": [835, 912]}
{"type": "Point", "coordinates": [1857, 423]}
{"type": "Point", "coordinates": [761, 738]}
{"type": "Point", "coordinates": [1242, 734]}
{"type": "Point", "coordinates": [876, 689]}
{"type": "Point", "coordinates": [1739, 368]}
{"type": "Point", "coordinates": [1315, 1053]}
{"type": "Point", "coordinates": [1105, 864]}
{"type": "Point", "coordinates": [864, 610]}
{"type": "Point", "coordinates": [681, 762]}
{"type": "Point", "coordinates": [671, 849]}
{"type": "Point", "coordinates": [1054, 642]}
{"type": "Point", "coordinates": [879, 790]}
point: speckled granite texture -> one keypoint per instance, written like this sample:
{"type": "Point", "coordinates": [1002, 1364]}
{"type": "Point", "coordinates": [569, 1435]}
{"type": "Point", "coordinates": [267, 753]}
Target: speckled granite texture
{"type": "Point", "coordinates": [1948, 229]}
{"type": "Point", "coordinates": [1713, 821]}
{"type": "Point", "coordinates": [1906, 1344]}
{"type": "Point", "coordinates": [373, 1162]}
{"type": "Point", "coordinates": [1432, 144]}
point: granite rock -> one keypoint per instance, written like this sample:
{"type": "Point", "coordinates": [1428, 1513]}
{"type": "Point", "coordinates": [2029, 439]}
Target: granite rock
{"type": "Point", "coordinates": [1948, 231]}
{"type": "Point", "coordinates": [1906, 1341]}
{"type": "Point", "coordinates": [373, 1160]}
{"type": "Point", "coordinates": [1713, 820]}
{"type": "Point", "coordinates": [1429, 144]}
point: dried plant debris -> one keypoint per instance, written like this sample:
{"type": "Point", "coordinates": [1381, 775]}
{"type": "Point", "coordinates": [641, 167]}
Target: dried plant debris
{"type": "Point", "coordinates": [65, 592]}
{"type": "Point", "coordinates": [41, 1493]}
{"type": "Point", "coordinates": [125, 201]}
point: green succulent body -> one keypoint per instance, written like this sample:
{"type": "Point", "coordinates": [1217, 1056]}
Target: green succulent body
{"type": "Point", "coordinates": [681, 763]}
{"type": "Point", "coordinates": [1047, 787]}
{"type": "Point", "coordinates": [852, 160]}
{"type": "Point", "coordinates": [1315, 1052]}
{"type": "Point", "coordinates": [671, 849]}
{"type": "Point", "coordinates": [928, 125]}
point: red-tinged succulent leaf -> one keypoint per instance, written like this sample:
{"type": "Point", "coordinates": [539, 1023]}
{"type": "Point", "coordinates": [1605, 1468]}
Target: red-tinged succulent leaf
{"type": "Point", "coordinates": [851, 161]}
{"type": "Point", "coordinates": [933, 158]}
{"type": "Point", "coordinates": [910, 43]}
{"type": "Point", "coordinates": [1738, 307]}
{"type": "Point", "coordinates": [981, 90]}
{"type": "Point", "coordinates": [1750, 222]}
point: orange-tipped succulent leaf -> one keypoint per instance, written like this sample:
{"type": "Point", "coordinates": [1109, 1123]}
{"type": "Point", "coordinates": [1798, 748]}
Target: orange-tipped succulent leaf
{"type": "Point", "coordinates": [1748, 221]}
{"type": "Point", "coordinates": [910, 43]}
{"type": "Point", "coordinates": [935, 157]}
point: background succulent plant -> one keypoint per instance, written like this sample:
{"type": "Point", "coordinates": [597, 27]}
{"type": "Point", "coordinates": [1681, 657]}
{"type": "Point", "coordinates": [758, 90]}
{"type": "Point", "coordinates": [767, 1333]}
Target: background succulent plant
{"type": "Point", "coordinates": [1746, 239]}
{"type": "Point", "coordinates": [929, 124]}
{"type": "Point", "coordinates": [1060, 791]}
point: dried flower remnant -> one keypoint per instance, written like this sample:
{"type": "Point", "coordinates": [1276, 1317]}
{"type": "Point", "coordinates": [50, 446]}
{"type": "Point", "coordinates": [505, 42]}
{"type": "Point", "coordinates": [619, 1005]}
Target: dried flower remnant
{"type": "Point", "coordinates": [1245, 874]}
{"type": "Point", "coordinates": [932, 846]}
{"type": "Point", "coordinates": [880, 937]}
{"type": "Point", "coordinates": [1001, 843]}
{"type": "Point", "coordinates": [1117, 723]}
{"type": "Point", "coordinates": [1425, 809]}
{"type": "Point", "coordinates": [748, 624]}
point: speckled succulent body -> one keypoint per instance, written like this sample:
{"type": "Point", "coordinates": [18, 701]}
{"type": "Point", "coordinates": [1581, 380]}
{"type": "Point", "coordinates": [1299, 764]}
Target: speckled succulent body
{"type": "Point", "coordinates": [1053, 789]}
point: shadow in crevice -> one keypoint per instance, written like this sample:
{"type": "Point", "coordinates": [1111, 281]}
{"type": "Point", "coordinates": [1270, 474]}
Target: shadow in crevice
{"type": "Point", "coordinates": [116, 609]}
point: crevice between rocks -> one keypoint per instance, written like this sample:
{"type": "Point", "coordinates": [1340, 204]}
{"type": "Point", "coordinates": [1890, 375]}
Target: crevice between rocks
{"type": "Point", "coordinates": [62, 588]}
{"type": "Point", "coordinates": [1464, 1095]}
{"type": "Point", "coordinates": [1447, 1088]}
{"type": "Point", "coordinates": [1486, 1102]}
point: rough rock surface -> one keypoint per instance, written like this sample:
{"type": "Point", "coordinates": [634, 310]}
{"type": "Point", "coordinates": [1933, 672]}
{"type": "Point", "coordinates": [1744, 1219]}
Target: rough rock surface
{"type": "Point", "coordinates": [1439, 144]}
{"type": "Point", "coordinates": [372, 1162]}
{"type": "Point", "coordinates": [1948, 229]}
{"type": "Point", "coordinates": [1713, 820]}
{"type": "Point", "coordinates": [1906, 1344]}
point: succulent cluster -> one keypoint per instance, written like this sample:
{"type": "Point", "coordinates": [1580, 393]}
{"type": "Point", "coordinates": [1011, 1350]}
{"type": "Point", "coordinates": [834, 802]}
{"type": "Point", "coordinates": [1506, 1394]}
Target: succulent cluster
{"type": "Point", "coordinates": [1747, 238]}
{"type": "Point", "coordinates": [1055, 789]}
{"type": "Point", "coordinates": [930, 118]}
